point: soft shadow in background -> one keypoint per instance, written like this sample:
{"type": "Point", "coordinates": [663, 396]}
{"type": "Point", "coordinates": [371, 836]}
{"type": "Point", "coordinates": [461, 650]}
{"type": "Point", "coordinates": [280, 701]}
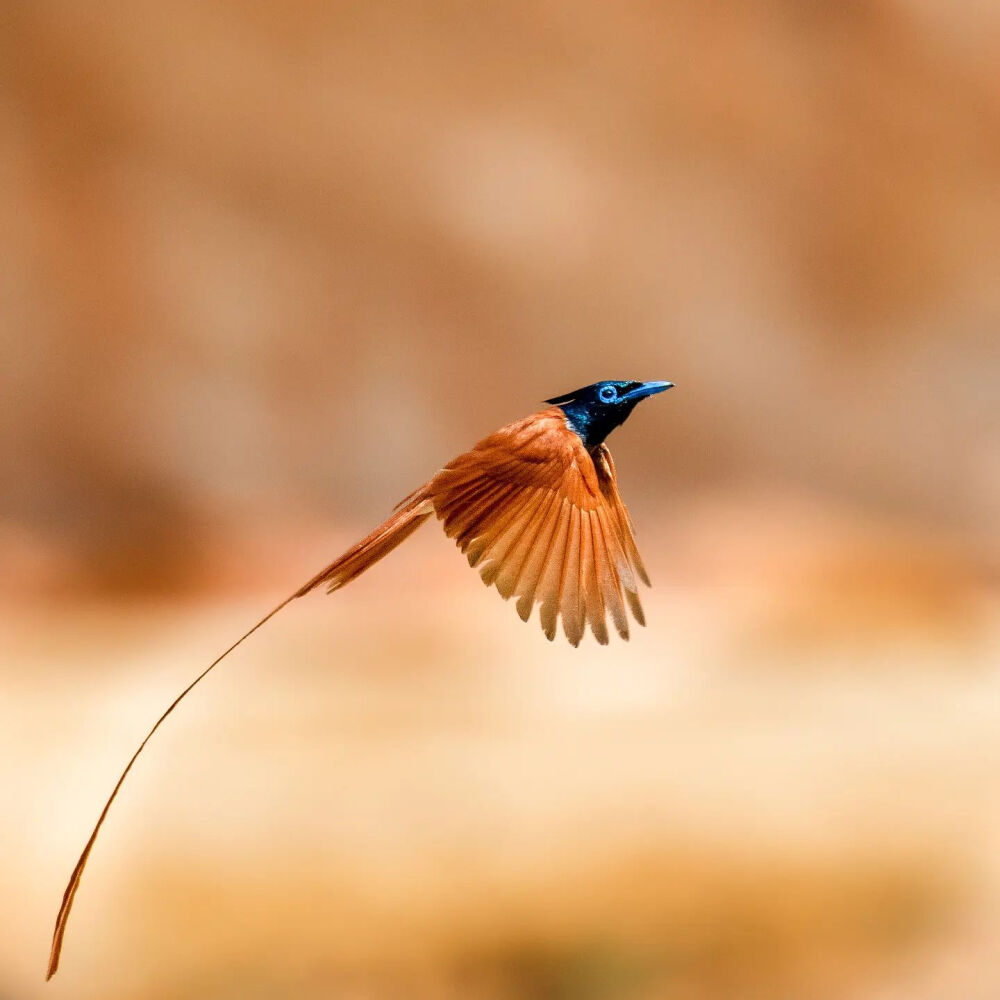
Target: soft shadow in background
{"type": "Point", "coordinates": [267, 266]}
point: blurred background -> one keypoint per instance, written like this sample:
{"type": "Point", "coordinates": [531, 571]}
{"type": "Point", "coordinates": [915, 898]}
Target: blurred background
{"type": "Point", "coordinates": [267, 266]}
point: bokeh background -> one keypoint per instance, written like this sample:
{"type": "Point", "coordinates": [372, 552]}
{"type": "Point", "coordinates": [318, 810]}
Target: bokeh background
{"type": "Point", "coordinates": [267, 266]}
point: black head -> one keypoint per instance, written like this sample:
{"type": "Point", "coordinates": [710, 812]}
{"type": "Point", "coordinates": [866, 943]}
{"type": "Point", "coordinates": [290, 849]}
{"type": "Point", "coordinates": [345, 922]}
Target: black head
{"type": "Point", "coordinates": [596, 410]}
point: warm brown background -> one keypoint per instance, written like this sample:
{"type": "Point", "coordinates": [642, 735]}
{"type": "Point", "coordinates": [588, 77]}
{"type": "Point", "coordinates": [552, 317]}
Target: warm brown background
{"type": "Point", "coordinates": [266, 266]}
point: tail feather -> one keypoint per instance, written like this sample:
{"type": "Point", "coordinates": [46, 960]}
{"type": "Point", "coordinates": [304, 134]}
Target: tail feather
{"type": "Point", "coordinates": [394, 530]}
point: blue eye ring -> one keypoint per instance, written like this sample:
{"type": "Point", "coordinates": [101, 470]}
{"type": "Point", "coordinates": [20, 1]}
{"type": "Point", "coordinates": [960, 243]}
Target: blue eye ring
{"type": "Point", "coordinates": [608, 394]}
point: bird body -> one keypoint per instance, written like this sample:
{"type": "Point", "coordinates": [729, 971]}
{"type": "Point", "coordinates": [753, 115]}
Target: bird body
{"type": "Point", "coordinates": [539, 514]}
{"type": "Point", "coordinates": [536, 509]}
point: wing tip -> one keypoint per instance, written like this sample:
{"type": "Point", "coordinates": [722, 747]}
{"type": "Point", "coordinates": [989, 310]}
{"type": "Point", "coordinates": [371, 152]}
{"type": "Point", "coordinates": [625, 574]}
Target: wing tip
{"type": "Point", "coordinates": [600, 632]}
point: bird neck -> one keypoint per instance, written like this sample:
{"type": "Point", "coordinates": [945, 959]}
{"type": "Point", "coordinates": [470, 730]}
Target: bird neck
{"type": "Point", "coordinates": [593, 424]}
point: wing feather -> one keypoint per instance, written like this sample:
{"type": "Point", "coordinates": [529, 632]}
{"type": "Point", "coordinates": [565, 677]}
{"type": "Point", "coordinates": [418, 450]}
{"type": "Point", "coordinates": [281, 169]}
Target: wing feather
{"type": "Point", "coordinates": [462, 505]}
{"type": "Point", "coordinates": [532, 573]}
{"type": "Point", "coordinates": [487, 517]}
{"type": "Point", "coordinates": [569, 587]}
{"type": "Point", "coordinates": [608, 572]}
{"type": "Point", "coordinates": [623, 566]}
{"type": "Point", "coordinates": [622, 518]}
{"type": "Point", "coordinates": [616, 552]}
{"type": "Point", "coordinates": [477, 528]}
{"type": "Point", "coordinates": [513, 567]}
{"type": "Point", "coordinates": [500, 551]}
{"type": "Point", "coordinates": [593, 595]}
{"type": "Point", "coordinates": [550, 584]}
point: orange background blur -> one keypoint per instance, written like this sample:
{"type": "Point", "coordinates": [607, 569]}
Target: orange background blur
{"type": "Point", "coordinates": [267, 266]}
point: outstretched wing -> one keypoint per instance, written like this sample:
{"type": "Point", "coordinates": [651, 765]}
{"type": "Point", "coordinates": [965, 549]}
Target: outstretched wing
{"type": "Point", "coordinates": [543, 521]}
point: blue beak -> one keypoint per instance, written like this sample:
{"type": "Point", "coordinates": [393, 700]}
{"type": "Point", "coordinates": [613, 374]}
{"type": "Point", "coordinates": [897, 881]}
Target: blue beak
{"type": "Point", "coordinates": [647, 389]}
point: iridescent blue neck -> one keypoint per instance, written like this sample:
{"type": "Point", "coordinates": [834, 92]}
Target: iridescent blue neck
{"type": "Point", "coordinates": [593, 423]}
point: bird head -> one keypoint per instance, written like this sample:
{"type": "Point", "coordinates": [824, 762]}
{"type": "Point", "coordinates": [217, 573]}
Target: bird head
{"type": "Point", "coordinates": [596, 410]}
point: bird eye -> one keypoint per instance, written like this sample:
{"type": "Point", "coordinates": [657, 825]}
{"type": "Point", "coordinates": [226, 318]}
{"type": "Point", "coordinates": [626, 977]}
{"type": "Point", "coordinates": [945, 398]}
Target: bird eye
{"type": "Point", "coordinates": [608, 393]}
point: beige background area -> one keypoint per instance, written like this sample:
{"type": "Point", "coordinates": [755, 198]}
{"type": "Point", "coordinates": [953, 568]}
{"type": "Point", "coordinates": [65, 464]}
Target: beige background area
{"type": "Point", "coordinates": [266, 266]}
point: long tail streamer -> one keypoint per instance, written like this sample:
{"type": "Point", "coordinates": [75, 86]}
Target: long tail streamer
{"type": "Point", "coordinates": [394, 530]}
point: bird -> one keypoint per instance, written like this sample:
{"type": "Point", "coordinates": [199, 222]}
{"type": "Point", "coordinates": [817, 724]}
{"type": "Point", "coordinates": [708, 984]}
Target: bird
{"type": "Point", "coordinates": [536, 509]}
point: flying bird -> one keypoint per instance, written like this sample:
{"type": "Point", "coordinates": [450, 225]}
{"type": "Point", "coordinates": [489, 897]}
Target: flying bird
{"type": "Point", "coordinates": [535, 507]}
